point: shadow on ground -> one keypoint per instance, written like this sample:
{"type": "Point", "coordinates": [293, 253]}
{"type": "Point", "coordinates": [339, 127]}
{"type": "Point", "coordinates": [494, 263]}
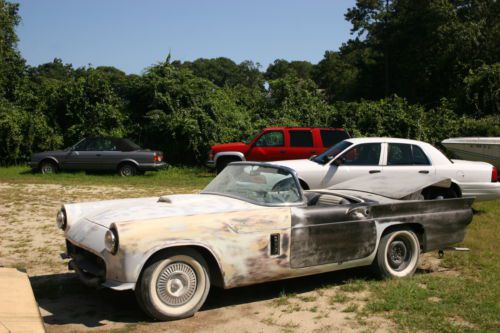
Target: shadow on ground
{"type": "Point", "coordinates": [64, 300]}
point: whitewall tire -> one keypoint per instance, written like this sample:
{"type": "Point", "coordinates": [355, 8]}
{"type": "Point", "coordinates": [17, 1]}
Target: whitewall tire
{"type": "Point", "coordinates": [174, 286]}
{"type": "Point", "coordinates": [398, 254]}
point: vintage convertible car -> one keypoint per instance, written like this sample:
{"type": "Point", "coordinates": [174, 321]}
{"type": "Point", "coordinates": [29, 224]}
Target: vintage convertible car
{"type": "Point", "coordinates": [253, 223]}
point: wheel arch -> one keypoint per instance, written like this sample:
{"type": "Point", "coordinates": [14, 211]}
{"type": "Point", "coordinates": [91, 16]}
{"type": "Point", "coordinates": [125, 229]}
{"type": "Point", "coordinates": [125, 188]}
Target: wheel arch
{"type": "Point", "coordinates": [51, 159]}
{"type": "Point", "coordinates": [128, 160]}
{"type": "Point", "coordinates": [214, 268]}
{"type": "Point", "coordinates": [417, 228]}
{"type": "Point", "coordinates": [304, 185]}
{"type": "Point", "coordinates": [229, 154]}
{"type": "Point", "coordinates": [455, 187]}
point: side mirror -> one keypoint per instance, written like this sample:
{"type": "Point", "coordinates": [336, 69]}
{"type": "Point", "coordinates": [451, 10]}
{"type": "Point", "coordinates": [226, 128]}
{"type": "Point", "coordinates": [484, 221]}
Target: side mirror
{"type": "Point", "coordinates": [312, 157]}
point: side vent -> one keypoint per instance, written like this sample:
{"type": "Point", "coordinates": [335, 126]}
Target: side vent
{"type": "Point", "coordinates": [275, 244]}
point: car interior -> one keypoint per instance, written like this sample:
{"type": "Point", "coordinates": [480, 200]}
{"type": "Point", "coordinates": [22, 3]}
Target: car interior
{"type": "Point", "coordinates": [322, 199]}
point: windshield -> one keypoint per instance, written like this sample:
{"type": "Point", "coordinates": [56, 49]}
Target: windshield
{"type": "Point", "coordinates": [333, 151]}
{"type": "Point", "coordinates": [256, 183]}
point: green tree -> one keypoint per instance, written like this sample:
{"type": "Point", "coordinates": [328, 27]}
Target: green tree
{"type": "Point", "coordinates": [11, 62]}
{"type": "Point", "coordinates": [281, 68]}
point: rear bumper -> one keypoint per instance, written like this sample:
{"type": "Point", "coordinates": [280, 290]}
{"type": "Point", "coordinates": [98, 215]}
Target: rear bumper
{"type": "Point", "coordinates": [151, 166]}
{"type": "Point", "coordinates": [210, 164]}
{"type": "Point", "coordinates": [481, 191]}
{"type": "Point", "coordinates": [33, 164]}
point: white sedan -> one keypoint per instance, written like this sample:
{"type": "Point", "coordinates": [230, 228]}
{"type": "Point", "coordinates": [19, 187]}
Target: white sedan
{"type": "Point", "coordinates": [363, 159]}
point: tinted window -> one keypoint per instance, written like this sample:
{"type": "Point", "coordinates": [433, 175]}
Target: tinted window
{"type": "Point", "coordinates": [364, 154]}
{"type": "Point", "coordinates": [419, 157]}
{"type": "Point", "coordinates": [399, 154]}
{"type": "Point", "coordinates": [331, 137]}
{"type": "Point", "coordinates": [126, 145]}
{"type": "Point", "coordinates": [271, 139]}
{"type": "Point", "coordinates": [82, 145]}
{"type": "Point", "coordinates": [301, 139]}
{"type": "Point", "coordinates": [98, 145]}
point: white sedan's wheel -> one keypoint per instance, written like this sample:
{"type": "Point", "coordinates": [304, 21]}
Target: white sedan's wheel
{"type": "Point", "coordinates": [174, 286]}
{"type": "Point", "coordinates": [398, 254]}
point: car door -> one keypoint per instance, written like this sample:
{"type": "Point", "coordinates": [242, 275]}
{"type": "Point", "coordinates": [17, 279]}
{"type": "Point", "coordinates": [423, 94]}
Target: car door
{"type": "Point", "coordinates": [77, 157]}
{"type": "Point", "coordinates": [301, 144]}
{"type": "Point", "coordinates": [108, 154]}
{"type": "Point", "coordinates": [270, 146]}
{"type": "Point", "coordinates": [407, 159]}
{"type": "Point", "coordinates": [359, 161]}
{"type": "Point", "coordinates": [330, 234]}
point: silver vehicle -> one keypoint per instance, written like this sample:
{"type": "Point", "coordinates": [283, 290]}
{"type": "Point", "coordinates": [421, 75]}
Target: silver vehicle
{"type": "Point", "coordinates": [253, 223]}
{"type": "Point", "coordinates": [114, 154]}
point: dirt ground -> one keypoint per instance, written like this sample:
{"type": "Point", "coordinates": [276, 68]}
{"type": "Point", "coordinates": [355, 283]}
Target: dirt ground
{"type": "Point", "coordinates": [29, 239]}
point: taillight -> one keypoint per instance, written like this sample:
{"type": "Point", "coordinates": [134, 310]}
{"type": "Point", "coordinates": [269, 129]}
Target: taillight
{"type": "Point", "coordinates": [211, 155]}
{"type": "Point", "coordinates": [494, 175]}
{"type": "Point", "coordinates": [157, 157]}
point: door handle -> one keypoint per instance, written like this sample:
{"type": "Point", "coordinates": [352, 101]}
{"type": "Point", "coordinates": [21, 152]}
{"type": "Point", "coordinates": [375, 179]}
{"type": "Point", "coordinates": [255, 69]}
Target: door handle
{"type": "Point", "coordinates": [283, 151]}
{"type": "Point", "coordinates": [423, 171]}
{"type": "Point", "coordinates": [313, 152]}
{"type": "Point", "coordinates": [97, 154]}
{"type": "Point", "coordinates": [374, 171]}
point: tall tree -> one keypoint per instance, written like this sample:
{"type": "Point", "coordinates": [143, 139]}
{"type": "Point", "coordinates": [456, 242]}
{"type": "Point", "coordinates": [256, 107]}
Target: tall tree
{"type": "Point", "coordinates": [11, 62]}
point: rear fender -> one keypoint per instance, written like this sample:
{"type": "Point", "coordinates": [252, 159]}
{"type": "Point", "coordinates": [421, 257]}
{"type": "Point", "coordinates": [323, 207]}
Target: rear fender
{"type": "Point", "coordinates": [444, 221]}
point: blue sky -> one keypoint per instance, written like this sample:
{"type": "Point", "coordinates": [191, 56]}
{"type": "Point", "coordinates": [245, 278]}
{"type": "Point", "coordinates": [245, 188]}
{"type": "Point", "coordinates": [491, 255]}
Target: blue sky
{"type": "Point", "coordinates": [132, 35]}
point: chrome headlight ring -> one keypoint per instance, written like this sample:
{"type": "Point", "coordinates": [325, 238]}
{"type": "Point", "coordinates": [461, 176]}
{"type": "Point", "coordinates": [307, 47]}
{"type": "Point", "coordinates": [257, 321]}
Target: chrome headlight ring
{"type": "Point", "coordinates": [111, 241]}
{"type": "Point", "coordinates": [61, 219]}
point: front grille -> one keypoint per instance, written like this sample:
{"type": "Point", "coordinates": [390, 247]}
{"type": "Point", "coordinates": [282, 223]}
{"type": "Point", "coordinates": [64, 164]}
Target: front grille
{"type": "Point", "coordinates": [85, 261]}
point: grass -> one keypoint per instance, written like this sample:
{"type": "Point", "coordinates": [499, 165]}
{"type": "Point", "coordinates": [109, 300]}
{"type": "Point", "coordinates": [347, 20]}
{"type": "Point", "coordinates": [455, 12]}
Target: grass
{"type": "Point", "coordinates": [192, 178]}
{"type": "Point", "coordinates": [469, 302]}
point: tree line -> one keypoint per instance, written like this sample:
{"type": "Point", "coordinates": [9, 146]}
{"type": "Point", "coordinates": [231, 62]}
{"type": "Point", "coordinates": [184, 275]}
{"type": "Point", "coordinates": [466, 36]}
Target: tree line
{"type": "Point", "coordinates": [425, 69]}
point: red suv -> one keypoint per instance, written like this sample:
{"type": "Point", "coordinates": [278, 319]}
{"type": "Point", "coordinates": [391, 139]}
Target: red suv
{"type": "Point", "coordinates": [277, 143]}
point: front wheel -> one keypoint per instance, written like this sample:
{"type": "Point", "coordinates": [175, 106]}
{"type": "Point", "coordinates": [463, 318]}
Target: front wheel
{"type": "Point", "coordinates": [398, 254]}
{"type": "Point", "coordinates": [48, 167]}
{"type": "Point", "coordinates": [174, 286]}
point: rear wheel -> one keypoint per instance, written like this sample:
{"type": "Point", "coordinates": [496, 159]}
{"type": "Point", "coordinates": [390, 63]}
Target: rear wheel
{"type": "Point", "coordinates": [397, 255]}
{"type": "Point", "coordinates": [127, 169]}
{"type": "Point", "coordinates": [48, 167]}
{"type": "Point", "coordinates": [174, 286]}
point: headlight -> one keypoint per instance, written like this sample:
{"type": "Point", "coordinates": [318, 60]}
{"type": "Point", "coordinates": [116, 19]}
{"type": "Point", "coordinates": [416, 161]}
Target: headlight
{"type": "Point", "coordinates": [61, 219]}
{"type": "Point", "coordinates": [111, 241]}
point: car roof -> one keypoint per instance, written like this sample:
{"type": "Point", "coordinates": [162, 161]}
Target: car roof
{"type": "Point", "coordinates": [383, 139]}
{"type": "Point", "coordinates": [303, 128]}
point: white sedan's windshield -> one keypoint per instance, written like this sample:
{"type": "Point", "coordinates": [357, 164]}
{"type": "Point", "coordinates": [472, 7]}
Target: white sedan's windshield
{"type": "Point", "coordinates": [333, 151]}
{"type": "Point", "coordinates": [256, 183]}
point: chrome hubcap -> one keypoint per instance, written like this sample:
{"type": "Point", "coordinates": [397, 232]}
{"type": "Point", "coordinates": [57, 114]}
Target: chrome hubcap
{"type": "Point", "coordinates": [47, 168]}
{"type": "Point", "coordinates": [176, 284]}
{"type": "Point", "coordinates": [126, 171]}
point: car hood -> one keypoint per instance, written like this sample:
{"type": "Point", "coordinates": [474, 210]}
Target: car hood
{"type": "Point", "coordinates": [392, 186]}
{"type": "Point", "coordinates": [299, 165]}
{"type": "Point", "coordinates": [107, 212]}
{"type": "Point", "coordinates": [235, 146]}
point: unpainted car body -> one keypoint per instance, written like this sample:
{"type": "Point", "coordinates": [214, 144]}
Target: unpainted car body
{"type": "Point", "coordinates": [267, 235]}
